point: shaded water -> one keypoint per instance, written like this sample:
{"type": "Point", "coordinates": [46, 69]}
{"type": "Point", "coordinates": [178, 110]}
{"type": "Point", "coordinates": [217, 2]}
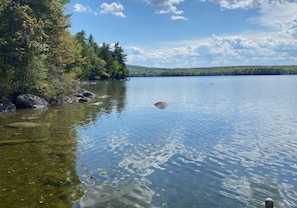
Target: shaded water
{"type": "Point", "coordinates": [38, 164]}
{"type": "Point", "coordinates": [221, 142]}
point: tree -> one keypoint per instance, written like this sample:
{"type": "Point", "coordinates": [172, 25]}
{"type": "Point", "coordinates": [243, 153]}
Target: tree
{"type": "Point", "coordinates": [63, 51]}
{"type": "Point", "coordinates": [106, 54]}
{"type": "Point", "coordinates": [38, 54]}
{"type": "Point", "coordinates": [120, 62]}
{"type": "Point", "coordinates": [119, 54]}
{"type": "Point", "coordinates": [93, 67]}
{"type": "Point", "coordinates": [22, 49]}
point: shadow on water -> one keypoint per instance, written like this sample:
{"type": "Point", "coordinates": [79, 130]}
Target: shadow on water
{"type": "Point", "coordinates": [38, 162]}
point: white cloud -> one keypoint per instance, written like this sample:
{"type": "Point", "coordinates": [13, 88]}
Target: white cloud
{"type": "Point", "coordinates": [178, 17]}
{"type": "Point", "coordinates": [136, 51]}
{"type": "Point", "coordinates": [80, 8]}
{"type": "Point", "coordinates": [113, 8]}
{"type": "Point", "coordinates": [235, 4]}
{"type": "Point", "coordinates": [277, 45]}
{"type": "Point", "coordinates": [291, 27]}
{"type": "Point", "coordinates": [247, 4]}
{"type": "Point", "coordinates": [165, 6]}
{"type": "Point", "coordinates": [246, 49]}
{"type": "Point", "coordinates": [280, 17]}
{"type": "Point", "coordinates": [274, 43]}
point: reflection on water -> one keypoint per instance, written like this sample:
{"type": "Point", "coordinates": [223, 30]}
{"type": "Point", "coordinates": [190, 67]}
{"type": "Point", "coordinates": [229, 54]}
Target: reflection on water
{"type": "Point", "coordinates": [222, 142]}
{"type": "Point", "coordinates": [266, 163]}
{"type": "Point", "coordinates": [145, 158]}
{"type": "Point", "coordinates": [132, 163]}
{"type": "Point", "coordinates": [99, 194]}
{"type": "Point", "coordinates": [38, 151]}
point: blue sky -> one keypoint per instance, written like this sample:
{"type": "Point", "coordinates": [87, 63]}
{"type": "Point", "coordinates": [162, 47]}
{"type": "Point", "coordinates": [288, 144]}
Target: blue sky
{"type": "Point", "coordinates": [193, 33]}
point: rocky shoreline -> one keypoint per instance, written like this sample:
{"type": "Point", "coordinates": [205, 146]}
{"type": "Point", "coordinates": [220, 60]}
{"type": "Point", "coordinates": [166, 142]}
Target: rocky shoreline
{"type": "Point", "coordinates": [32, 101]}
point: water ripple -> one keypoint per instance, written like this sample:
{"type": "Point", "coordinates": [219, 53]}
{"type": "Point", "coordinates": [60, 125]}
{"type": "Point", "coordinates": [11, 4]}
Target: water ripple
{"type": "Point", "coordinates": [260, 166]}
{"type": "Point", "coordinates": [133, 195]}
{"type": "Point", "coordinates": [235, 146]}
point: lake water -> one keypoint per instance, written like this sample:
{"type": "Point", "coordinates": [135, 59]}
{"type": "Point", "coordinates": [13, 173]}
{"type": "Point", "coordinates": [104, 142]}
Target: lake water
{"type": "Point", "coordinates": [227, 141]}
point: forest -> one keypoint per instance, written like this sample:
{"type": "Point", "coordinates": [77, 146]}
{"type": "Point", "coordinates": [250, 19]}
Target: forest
{"type": "Point", "coordinates": [138, 71]}
{"type": "Point", "coordinates": [39, 55]}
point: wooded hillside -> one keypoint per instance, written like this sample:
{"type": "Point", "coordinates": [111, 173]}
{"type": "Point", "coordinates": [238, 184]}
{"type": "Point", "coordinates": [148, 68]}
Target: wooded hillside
{"type": "Point", "coordinates": [138, 71]}
{"type": "Point", "coordinates": [39, 55]}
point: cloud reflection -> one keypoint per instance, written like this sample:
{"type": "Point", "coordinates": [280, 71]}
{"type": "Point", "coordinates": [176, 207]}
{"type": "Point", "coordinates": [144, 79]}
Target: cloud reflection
{"type": "Point", "coordinates": [101, 195]}
{"type": "Point", "coordinates": [127, 185]}
{"type": "Point", "coordinates": [145, 158]}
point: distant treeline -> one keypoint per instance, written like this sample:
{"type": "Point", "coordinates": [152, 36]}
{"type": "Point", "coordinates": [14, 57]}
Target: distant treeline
{"type": "Point", "coordinates": [137, 71]}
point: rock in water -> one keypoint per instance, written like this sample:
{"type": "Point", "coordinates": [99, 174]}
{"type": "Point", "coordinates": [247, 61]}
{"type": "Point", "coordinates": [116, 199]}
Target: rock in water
{"type": "Point", "coordinates": [88, 94]}
{"type": "Point", "coordinates": [161, 105]}
{"type": "Point", "coordinates": [6, 105]}
{"type": "Point", "coordinates": [30, 101]}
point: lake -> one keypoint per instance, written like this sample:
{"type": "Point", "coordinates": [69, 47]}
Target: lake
{"type": "Point", "coordinates": [226, 141]}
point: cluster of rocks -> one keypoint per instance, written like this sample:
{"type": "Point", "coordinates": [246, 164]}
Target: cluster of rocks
{"type": "Point", "coordinates": [35, 102]}
{"type": "Point", "coordinates": [83, 96]}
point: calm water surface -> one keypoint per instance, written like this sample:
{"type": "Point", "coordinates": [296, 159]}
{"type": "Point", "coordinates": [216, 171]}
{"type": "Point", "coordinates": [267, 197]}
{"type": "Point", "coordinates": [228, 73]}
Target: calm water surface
{"type": "Point", "coordinates": [221, 142]}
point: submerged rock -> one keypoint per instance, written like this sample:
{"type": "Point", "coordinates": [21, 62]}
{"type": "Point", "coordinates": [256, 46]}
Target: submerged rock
{"type": "Point", "coordinates": [83, 99]}
{"type": "Point", "coordinates": [30, 101]}
{"type": "Point", "coordinates": [30, 117]}
{"type": "Point", "coordinates": [161, 105]}
{"type": "Point", "coordinates": [23, 124]}
{"type": "Point", "coordinates": [103, 96]}
{"type": "Point", "coordinates": [18, 141]}
{"type": "Point", "coordinates": [98, 103]}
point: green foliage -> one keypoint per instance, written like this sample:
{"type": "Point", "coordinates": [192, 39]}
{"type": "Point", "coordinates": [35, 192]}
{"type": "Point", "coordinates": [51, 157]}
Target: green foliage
{"type": "Point", "coordinates": [3, 4]}
{"type": "Point", "coordinates": [101, 62]}
{"type": "Point", "coordinates": [21, 45]}
{"type": "Point", "coordinates": [39, 55]}
{"type": "Point", "coordinates": [136, 71]}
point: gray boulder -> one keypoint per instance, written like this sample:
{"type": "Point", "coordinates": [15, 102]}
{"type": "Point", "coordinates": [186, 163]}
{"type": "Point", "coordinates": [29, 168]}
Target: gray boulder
{"type": "Point", "coordinates": [30, 101]}
{"type": "Point", "coordinates": [85, 96]}
{"type": "Point", "coordinates": [88, 94]}
{"type": "Point", "coordinates": [161, 105]}
{"type": "Point", "coordinates": [68, 99]}
{"type": "Point", "coordinates": [6, 105]}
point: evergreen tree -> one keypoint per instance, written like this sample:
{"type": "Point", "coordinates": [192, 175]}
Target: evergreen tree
{"type": "Point", "coordinates": [93, 67]}
{"type": "Point", "coordinates": [119, 55]}
{"type": "Point", "coordinates": [120, 62]}
{"type": "Point", "coordinates": [105, 53]}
